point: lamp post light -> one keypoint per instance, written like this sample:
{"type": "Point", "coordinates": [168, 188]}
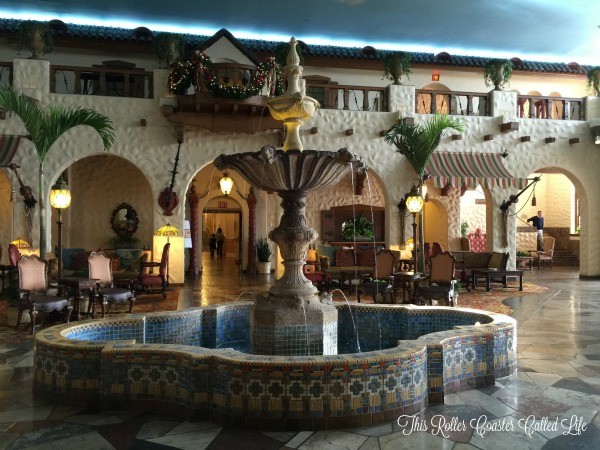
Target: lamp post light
{"type": "Point", "coordinates": [60, 198]}
{"type": "Point", "coordinates": [414, 204]}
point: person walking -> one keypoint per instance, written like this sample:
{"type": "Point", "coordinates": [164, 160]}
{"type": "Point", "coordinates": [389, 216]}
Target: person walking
{"type": "Point", "coordinates": [538, 223]}
{"type": "Point", "coordinates": [212, 245]}
{"type": "Point", "coordinates": [220, 242]}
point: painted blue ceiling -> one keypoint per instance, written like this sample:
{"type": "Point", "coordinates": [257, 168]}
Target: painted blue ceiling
{"type": "Point", "coordinates": [550, 30]}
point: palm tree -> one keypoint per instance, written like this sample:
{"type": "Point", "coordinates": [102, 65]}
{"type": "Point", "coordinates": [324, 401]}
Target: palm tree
{"type": "Point", "coordinates": [45, 125]}
{"type": "Point", "coordinates": [417, 143]}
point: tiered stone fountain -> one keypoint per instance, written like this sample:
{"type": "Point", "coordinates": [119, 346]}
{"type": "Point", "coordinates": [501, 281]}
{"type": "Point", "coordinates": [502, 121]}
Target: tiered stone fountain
{"type": "Point", "coordinates": [292, 319]}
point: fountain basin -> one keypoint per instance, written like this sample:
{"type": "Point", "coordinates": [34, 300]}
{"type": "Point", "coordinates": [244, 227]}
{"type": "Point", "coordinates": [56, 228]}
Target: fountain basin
{"type": "Point", "coordinates": [192, 363]}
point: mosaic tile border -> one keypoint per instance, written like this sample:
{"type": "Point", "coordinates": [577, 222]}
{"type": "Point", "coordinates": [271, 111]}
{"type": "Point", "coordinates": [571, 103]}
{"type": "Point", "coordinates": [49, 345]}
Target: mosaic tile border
{"type": "Point", "coordinates": [271, 392]}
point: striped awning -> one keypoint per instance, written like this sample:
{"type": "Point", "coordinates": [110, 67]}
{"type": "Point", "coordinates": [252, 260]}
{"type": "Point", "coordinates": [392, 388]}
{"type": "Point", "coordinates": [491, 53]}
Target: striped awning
{"type": "Point", "coordinates": [8, 148]}
{"type": "Point", "coordinates": [470, 169]}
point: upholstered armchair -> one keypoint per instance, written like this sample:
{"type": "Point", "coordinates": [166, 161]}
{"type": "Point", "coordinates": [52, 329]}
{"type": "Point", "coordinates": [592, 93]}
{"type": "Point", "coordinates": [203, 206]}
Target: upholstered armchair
{"type": "Point", "coordinates": [149, 280]}
{"type": "Point", "coordinates": [100, 268]}
{"type": "Point", "coordinates": [33, 291]}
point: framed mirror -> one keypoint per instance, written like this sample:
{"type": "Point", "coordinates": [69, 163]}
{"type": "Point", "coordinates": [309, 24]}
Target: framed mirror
{"type": "Point", "coordinates": [124, 221]}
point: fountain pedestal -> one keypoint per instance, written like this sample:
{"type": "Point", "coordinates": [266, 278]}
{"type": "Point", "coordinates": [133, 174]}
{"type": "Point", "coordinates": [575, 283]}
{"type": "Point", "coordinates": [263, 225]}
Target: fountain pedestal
{"type": "Point", "coordinates": [291, 319]}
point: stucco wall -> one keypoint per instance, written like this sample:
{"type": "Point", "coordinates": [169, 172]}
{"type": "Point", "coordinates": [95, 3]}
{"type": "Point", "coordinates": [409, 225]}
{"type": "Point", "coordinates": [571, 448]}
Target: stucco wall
{"type": "Point", "coordinates": [152, 148]}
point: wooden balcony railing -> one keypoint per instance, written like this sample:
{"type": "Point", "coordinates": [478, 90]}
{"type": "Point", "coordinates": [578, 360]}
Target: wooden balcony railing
{"type": "Point", "coordinates": [104, 81]}
{"type": "Point", "coordinates": [558, 108]}
{"type": "Point", "coordinates": [6, 73]}
{"type": "Point", "coordinates": [353, 98]}
{"type": "Point", "coordinates": [452, 102]}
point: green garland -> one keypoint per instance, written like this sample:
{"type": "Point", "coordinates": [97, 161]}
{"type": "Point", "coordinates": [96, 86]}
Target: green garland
{"type": "Point", "coordinates": [197, 71]}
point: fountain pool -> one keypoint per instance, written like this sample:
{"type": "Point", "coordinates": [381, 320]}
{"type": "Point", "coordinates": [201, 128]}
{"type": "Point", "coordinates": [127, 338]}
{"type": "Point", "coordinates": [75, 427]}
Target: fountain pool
{"type": "Point", "coordinates": [194, 363]}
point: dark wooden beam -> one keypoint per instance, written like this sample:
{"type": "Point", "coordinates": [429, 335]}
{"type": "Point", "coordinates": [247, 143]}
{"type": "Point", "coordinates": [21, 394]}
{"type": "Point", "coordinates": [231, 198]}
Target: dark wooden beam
{"type": "Point", "coordinates": [574, 141]}
{"type": "Point", "coordinates": [314, 130]}
{"type": "Point", "coordinates": [488, 137]}
{"type": "Point", "coordinates": [509, 126]}
{"type": "Point", "coordinates": [409, 121]}
{"type": "Point", "coordinates": [349, 132]}
{"type": "Point", "coordinates": [456, 137]}
{"type": "Point", "coordinates": [382, 133]}
{"type": "Point", "coordinates": [550, 140]}
{"type": "Point", "coordinates": [525, 138]}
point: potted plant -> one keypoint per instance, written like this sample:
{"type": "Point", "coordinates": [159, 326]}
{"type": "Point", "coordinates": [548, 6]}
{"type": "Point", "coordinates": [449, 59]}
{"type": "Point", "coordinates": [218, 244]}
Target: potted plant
{"type": "Point", "coordinates": [36, 37]}
{"type": "Point", "coordinates": [358, 229]}
{"type": "Point", "coordinates": [395, 65]}
{"type": "Point", "coordinates": [263, 254]}
{"type": "Point", "coordinates": [464, 227]}
{"type": "Point", "coordinates": [593, 79]}
{"type": "Point", "coordinates": [497, 72]}
{"type": "Point", "coordinates": [169, 47]}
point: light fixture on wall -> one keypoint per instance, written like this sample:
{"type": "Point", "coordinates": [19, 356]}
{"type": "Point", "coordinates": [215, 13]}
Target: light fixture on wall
{"type": "Point", "coordinates": [60, 198]}
{"type": "Point", "coordinates": [533, 199]}
{"type": "Point", "coordinates": [226, 184]}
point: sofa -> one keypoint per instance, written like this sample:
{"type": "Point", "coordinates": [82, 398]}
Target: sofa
{"type": "Point", "coordinates": [467, 261]}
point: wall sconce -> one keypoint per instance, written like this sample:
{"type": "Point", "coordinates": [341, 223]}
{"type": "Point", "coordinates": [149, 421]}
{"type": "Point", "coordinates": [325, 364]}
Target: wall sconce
{"type": "Point", "coordinates": [435, 76]}
{"type": "Point", "coordinates": [226, 184]}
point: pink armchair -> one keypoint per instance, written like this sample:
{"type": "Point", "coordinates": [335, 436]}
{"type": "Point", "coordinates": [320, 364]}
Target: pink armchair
{"type": "Point", "coordinates": [100, 268]}
{"type": "Point", "coordinates": [33, 291]}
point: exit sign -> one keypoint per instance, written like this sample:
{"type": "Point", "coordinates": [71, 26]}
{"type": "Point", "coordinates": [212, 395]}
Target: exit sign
{"type": "Point", "coordinates": [222, 204]}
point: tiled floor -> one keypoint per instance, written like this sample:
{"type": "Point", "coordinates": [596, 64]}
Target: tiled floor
{"type": "Point", "coordinates": [559, 376]}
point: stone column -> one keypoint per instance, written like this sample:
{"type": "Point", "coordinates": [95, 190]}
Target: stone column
{"type": "Point", "coordinates": [193, 200]}
{"type": "Point", "coordinates": [251, 200]}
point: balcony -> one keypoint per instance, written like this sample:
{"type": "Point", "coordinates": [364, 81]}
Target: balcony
{"type": "Point", "coordinates": [557, 108]}
{"type": "Point", "coordinates": [114, 80]}
{"type": "Point", "coordinates": [452, 102]}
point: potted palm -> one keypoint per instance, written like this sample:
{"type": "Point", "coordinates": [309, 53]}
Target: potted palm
{"type": "Point", "coordinates": [36, 37]}
{"type": "Point", "coordinates": [497, 72]}
{"type": "Point", "coordinates": [45, 125]}
{"type": "Point", "coordinates": [593, 79]}
{"type": "Point", "coordinates": [263, 253]}
{"type": "Point", "coordinates": [417, 143]}
{"type": "Point", "coordinates": [395, 65]}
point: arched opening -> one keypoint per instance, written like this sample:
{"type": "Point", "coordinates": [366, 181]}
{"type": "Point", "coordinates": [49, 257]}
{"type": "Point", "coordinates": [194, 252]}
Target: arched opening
{"type": "Point", "coordinates": [560, 201]}
{"type": "Point", "coordinates": [98, 185]}
{"type": "Point", "coordinates": [473, 218]}
{"type": "Point", "coordinates": [435, 222]}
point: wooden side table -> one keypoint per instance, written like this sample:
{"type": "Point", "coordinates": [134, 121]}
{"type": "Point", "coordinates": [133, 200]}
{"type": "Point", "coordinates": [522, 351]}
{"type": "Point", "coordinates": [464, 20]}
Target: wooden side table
{"type": "Point", "coordinates": [76, 285]}
{"type": "Point", "coordinates": [525, 262]}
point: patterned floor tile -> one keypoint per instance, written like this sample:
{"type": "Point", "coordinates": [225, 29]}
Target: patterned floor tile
{"type": "Point", "coordinates": [333, 440]}
{"type": "Point", "coordinates": [193, 440]}
{"type": "Point", "coordinates": [230, 438]}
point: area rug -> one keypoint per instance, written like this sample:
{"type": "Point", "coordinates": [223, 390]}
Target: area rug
{"type": "Point", "coordinates": [477, 299]}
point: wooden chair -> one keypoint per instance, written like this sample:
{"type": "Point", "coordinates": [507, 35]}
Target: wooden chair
{"type": "Point", "coordinates": [150, 281]}
{"type": "Point", "coordinates": [544, 257]}
{"type": "Point", "coordinates": [33, 291]}
{"type": "Point", "coordinates": [100, 268]}
{"type": "Point", "coordinates": [315, 271]}
{"type": "Point", "coordinates": [441, 279]}
{"type": "Point", "coordinates": [385, 263]}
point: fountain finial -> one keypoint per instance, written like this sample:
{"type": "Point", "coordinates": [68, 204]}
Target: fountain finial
{"type": "Point", "coordinates": [292, 58]}
{"type": "Point", "coordinates": [293, 107]}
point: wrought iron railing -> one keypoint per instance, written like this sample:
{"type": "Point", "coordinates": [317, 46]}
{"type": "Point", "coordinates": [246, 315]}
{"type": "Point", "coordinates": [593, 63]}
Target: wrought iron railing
{"type": "Point", "coordinates": [104, 81]}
